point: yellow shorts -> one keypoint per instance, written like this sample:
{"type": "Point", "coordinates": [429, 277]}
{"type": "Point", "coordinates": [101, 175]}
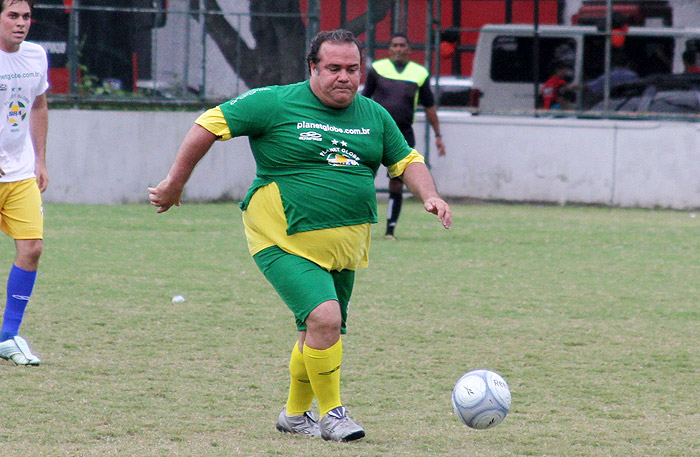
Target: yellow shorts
{"type": "Point", "coordinates": [21, 212]}
{"type": "Point", "coordinates": [337, 248]}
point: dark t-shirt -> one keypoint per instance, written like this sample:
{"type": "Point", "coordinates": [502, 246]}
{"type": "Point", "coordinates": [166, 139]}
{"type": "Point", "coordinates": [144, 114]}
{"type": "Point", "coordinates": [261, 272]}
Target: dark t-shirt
{"type": "Point", "coordinates": [399, 90]}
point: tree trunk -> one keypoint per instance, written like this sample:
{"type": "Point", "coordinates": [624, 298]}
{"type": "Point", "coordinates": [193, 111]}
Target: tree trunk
{"type": "Point", "coordinates": [278, 56]}
{"type": "Point", "coordinates": [280, 41]}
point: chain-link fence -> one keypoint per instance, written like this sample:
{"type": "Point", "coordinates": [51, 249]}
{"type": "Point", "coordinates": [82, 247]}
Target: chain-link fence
{"type": "Point", "coordinates": [195, 52]}
{"type": "Point", "coordinates": [635, 72]}
{"type": "Point", "coordinates": [179, 52]}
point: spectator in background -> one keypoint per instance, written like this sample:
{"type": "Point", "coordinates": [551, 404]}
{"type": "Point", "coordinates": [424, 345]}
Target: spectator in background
{"type": "Point", "coordinates": [659, 60]}
{"type": "Point", "coordinates": [398, 85]}
{"type": "Point", "coordinates": [449, 40]}
{"type": "Point", "coordinates": [690, 61]}
{"type": "Point", "coordinates": [620, 73]}
{"type": "Point", "coordinates": [552, 90]}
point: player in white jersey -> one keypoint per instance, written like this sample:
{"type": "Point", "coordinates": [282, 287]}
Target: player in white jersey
{"type": "Point", "coordinates": [23, 175]}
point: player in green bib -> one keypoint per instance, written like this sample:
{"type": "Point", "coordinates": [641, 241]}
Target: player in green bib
{"type": "Point", "coordinates": [307, 214]}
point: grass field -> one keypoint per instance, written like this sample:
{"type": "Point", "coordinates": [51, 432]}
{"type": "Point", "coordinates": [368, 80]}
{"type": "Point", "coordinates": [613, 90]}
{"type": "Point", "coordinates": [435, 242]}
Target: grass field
{"type": "Point", "coordinates": [591, 315]}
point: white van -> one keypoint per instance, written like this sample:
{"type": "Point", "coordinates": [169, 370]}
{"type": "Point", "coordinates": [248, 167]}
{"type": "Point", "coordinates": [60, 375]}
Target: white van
{"type": "Point", "coordinates": [503, 77]}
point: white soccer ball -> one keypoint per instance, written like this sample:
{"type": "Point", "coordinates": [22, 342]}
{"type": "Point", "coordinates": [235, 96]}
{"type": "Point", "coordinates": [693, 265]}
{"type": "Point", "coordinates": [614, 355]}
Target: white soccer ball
{"type": "Point", "coordinates": [481, 399]}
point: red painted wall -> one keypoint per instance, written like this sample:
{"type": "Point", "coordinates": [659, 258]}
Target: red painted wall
{"type": "Point", "coordinates": [474, 14]}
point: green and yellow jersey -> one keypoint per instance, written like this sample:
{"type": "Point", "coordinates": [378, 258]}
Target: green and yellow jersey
{"type": "Point", "coordinates": [313, 194]}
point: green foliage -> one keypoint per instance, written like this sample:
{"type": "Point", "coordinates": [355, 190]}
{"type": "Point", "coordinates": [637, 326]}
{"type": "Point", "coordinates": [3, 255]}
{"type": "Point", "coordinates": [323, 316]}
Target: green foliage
{"type": "Point", "coordinates": [97, 94]}
{"type": "Point", "coordinates": [590, 314]}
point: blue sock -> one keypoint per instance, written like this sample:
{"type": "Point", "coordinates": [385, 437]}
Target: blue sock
{"type": "Point", "coordinates": [19, 288]}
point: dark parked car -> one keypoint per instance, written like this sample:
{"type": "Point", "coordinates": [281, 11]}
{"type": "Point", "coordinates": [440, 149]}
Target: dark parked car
{"type": "Point", "coordinates": [661, 94]}
{"type": "Point", "coordinates": [454, 90]}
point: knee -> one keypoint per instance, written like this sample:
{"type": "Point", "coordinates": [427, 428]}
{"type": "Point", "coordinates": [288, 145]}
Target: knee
{"type": "Point", "coordinates": [325, 318]}
{"type": "Point", "coordinates": [28, 254]}
{"type": "Point", "coordinates": [323, 325]}
{"type": "Point", "coordinates": [34, 251]}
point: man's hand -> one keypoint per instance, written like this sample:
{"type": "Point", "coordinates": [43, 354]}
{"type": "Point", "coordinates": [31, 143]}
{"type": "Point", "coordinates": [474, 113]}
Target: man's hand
{"type": "Point", "coordinates": [419, 181]}
{"type": "Point", "coordinates": [164, 195]}
{"type": "Point", "coordinates": [195, 145]}
{"type": "Point", "coordinates": [42, 176]}
{"type": "Point", "coordinates": [440, 146]}
{"type": "Point", "coordinates": [440, 208]}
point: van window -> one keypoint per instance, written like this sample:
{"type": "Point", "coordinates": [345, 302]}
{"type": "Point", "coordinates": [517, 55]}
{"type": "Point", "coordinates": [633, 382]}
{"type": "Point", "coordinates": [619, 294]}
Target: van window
{"type": "Point", "coordinates": [511, 59]}
{"type": "Point", "coordinates": [646, 55]}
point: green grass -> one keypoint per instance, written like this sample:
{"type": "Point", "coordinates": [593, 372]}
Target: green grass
{"type": "Point", "coordinates": [591, 315]}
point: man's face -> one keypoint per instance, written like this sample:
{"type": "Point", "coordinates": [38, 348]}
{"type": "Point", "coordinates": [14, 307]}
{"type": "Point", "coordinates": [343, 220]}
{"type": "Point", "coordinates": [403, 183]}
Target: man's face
{"type": "Point", "coordinates": [14, 24]}
{"type": "Point", "coordinates": [399, 50]}
{"type": "Point", "coordinates": [336, 76]}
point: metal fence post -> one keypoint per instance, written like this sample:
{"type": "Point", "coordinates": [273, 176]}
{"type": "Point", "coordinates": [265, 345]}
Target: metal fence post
{"type": "Point", "coordinates": [536, 54]}
{"type": "Point", "coordinates": [313, 26]}
{"type": "Point", "coordinates": [428, 64]}
{"type": "Point", "coordinates": [314, 21]}
{"type": "Point", "coordinates": [608, 54]}
{"type": "Point", "coordinates": [73, 40]}
{"type": "Point", "coordinates": [204, 17]}
{"type": "Point", "coordinates": [186, 59]}
{"type": "Point", "coordinates": [369, 33]}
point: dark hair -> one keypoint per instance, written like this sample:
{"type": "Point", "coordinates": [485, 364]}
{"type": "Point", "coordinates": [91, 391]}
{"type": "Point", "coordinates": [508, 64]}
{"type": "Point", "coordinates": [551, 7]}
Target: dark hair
{"type": "Point", "coordinates": [689, 57]}
{"type": "Point", "coordinates": [12, 2]}
{"type": "Point", "coordinates": [399, 35]}
{"type": "Point", "coordinates": [560, 65]}
{"type": "Point", "coordinates": [334, 36]}
{"type": "Point", "coordinates": [619, 58]}
{"type": "Point", "coordinates": [450, 35]}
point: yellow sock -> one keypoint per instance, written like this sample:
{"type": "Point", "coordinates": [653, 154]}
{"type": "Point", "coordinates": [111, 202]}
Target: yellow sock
{"type": "Point", "coordinates": [300, 392]}
{"type": "Point", "coordinates": [323, 367]}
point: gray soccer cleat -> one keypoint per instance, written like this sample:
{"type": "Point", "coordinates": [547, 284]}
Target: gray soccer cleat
{"type": "Point", "coordinates": [303, 424]}
{"type": "Point", "coordinates": [337, 426]}
{"type": "Point", "coordinates": [17, 350]}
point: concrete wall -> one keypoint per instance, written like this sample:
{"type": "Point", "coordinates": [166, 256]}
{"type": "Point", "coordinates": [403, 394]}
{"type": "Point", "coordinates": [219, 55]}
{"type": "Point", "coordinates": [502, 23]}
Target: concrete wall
{"type": "Point", "coordinates": [622, 163]}
{"type": "Point", "coordinates": [113, 156]}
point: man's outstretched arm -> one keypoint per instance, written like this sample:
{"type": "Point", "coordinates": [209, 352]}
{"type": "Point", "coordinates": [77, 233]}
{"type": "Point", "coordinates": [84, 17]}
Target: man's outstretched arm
{"type": "Point", "coordinates": [196, 144]}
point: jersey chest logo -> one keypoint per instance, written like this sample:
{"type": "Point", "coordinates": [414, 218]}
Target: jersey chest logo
{"type": "Point", "coordinates": [310, 136]}
{"type": "Point", "coordinates": [17, 113]}
{"type": "Point", "coordinates": [339, 155]}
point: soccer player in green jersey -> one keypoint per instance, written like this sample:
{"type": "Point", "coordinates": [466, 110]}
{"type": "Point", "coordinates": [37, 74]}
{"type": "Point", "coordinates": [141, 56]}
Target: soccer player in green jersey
{"type": "Point", "coordinates": [307, 214]}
